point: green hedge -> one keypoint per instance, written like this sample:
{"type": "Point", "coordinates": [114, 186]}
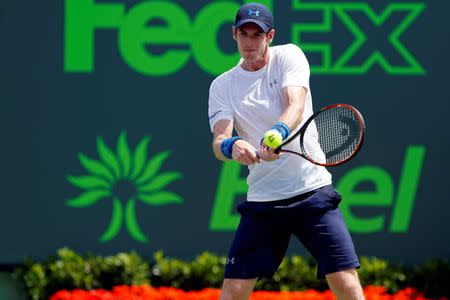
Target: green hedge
{"type": "Point", "coordinates": [69, 270]}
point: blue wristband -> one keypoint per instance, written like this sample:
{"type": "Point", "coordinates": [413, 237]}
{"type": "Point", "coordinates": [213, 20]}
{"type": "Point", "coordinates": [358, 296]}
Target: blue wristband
{"type": "Point", "coordinates": [226, 147]}
{"type": "Point", "coordinates": [282, 128]}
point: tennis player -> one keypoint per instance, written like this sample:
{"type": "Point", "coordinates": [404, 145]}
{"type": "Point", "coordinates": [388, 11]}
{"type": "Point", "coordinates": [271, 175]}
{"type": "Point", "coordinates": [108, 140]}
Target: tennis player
{"type": "Point", "coordinates": [269, 89]}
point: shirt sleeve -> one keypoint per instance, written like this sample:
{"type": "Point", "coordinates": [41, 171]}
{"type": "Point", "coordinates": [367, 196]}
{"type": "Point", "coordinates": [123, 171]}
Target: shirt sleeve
{"type": "Point", "coordinates": [294, 67]}
{"type": "Point", "coordinates": [219, 107]}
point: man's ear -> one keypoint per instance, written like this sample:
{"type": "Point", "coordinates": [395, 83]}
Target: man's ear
{"type": "Point", "coordinates": [234, 29]}
{"type": "Point", "coordinates": [271, 35]}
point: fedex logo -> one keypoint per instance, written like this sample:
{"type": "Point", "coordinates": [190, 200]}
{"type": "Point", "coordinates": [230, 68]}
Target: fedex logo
{"type": "Point", "coordinates": [364, 25]}
{"type": "Point", "coordinates": [158, 38]}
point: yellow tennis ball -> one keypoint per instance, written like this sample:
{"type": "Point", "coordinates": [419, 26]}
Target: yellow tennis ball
{"type": "Point", "coordinates": [273, 138]}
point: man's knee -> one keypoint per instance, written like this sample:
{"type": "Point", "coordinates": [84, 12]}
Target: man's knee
{"type": "Point", "coordinates": [237, 289]}
{"type": "Point", "coordinates": [345, 284]}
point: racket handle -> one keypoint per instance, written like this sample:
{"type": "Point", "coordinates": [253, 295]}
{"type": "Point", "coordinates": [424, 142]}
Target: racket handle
{"type": "Point", "coordinates": [276, 151]}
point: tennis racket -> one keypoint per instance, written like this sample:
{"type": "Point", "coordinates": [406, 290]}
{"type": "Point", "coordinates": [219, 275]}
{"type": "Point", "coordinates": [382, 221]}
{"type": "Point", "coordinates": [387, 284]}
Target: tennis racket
{"type": "Point", "coordinates": [330, 137]}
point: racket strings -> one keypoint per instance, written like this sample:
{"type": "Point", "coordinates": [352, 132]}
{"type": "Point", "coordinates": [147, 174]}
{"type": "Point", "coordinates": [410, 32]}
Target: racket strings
{"type": "Point", "coordinates": [333, 136]}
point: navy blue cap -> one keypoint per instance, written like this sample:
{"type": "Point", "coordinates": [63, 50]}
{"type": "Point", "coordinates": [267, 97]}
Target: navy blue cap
{"type": "Point", "coordinates": [255, 13]}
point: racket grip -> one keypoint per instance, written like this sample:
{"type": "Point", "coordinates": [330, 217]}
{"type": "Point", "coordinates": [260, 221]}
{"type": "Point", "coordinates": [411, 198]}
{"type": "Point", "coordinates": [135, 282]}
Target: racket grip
{"type": "Point", "coordinates": [276, 151]}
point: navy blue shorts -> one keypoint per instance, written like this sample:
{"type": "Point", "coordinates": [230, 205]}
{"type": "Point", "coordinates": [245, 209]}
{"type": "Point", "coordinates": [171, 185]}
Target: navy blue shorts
{"type": "Point", "coordinates": [265, 228]}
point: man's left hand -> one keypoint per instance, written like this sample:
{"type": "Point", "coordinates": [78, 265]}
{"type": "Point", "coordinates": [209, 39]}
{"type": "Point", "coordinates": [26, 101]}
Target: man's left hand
{"type": "Point", "coordinates": [266, 153]}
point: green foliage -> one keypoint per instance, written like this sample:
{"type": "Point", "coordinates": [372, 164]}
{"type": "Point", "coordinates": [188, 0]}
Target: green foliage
{"type": "Point", "coordinates": [375, 271]}
{"type": "Point", "coordinates": [34, 278]}
{"type": "Point", "coordinates": [69, 270]}
{"type": "Point", "coordinates": [432, 277]}
{"type": "Point", "coordinates": [294, 273]}
{"type": "Point", "coordinates": [205, 271]}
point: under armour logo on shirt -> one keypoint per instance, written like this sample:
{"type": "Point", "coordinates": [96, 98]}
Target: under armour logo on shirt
{"type": "Point", "coordinates": [273, 82]}
{"type": "Point", "coordinates": [254, 13]}
{"type": "Point", "coordinates": [230, 260]}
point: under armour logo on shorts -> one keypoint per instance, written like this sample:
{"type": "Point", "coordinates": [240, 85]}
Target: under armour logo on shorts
{"type": "Point", "coordinates": [230, 260]}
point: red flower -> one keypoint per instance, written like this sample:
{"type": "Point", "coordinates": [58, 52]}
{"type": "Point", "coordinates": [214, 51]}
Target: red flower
{"type": "Point", "coordinates": [146, 292]}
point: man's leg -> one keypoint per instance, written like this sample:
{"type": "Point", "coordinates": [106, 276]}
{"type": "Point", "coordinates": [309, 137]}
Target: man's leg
{"type": "Point", "coordinates": [345, 285]}
{"type": "Point", "coordinates": [237, 289]}
{"type": "Point", "coordinates": [324, 233]}
{"type": "Point", "coordinates": [258, 248]}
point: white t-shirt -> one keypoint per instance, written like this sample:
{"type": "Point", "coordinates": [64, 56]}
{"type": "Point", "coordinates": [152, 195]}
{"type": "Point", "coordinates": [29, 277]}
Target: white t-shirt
{"type": "Point", "coordinates": [253, 101]}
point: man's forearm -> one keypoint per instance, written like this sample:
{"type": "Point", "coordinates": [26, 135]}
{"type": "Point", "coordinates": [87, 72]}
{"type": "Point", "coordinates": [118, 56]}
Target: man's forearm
{"type": "Point", "coordinates": [292, 116]}
{"type": "Point", "coordinates": [294, 101]}
{"type": "Point", "coordinates": [222, 130]}
{"type": "Point", "coordinates": [216, 147]}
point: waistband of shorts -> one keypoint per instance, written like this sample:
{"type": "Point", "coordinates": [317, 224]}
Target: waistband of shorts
{"type": "Point", "coordinates": [288, 201]}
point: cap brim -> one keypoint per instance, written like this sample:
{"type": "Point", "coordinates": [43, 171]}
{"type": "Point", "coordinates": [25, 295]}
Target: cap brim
{"type": "Point", "coordinates": [262, 25]}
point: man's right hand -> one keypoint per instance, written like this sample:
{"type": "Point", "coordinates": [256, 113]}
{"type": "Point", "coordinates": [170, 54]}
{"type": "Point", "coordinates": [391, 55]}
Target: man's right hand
{"type": "Point", "coordinates": [244, 153]}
